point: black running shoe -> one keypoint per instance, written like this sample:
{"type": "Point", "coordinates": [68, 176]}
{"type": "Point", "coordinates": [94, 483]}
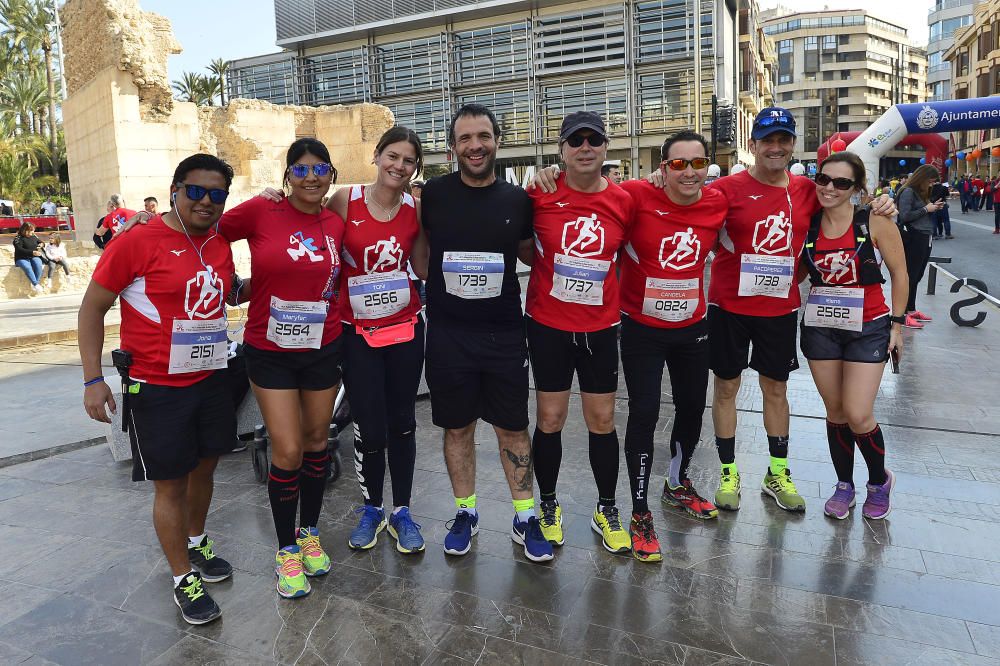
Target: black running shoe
{"type": "Point", "coordinates": [212, 567]}
{"type": "Point", "coordinates": [195, 604]}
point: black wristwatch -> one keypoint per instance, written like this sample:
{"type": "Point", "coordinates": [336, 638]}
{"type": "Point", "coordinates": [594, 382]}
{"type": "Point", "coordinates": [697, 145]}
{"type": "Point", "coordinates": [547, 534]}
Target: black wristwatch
{"type": "Point", "coordinates": [897, 320]}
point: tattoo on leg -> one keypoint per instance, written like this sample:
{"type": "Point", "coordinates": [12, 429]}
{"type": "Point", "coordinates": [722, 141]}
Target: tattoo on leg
{"type": "Point", "coordinates": [520, 462]}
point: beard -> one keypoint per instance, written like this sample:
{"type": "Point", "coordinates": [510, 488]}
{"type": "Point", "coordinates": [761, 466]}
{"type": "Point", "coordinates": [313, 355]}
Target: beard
{"type": "Point", "coordinates": [485, 171]}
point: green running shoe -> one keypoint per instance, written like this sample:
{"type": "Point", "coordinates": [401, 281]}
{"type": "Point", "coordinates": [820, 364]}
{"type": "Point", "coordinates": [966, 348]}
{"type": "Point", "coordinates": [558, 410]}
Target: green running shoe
{"type": "Point", "coordinates": [728, 495]}
{"type": "Point", "coordinates": [314, 559]}
{"type": "Point", "coordinates": [292, 581]}
{"type": "Point", "coordinates": [782, 489]}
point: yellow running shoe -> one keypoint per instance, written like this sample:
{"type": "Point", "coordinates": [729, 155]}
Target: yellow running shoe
{"type": "Point", "coordinates": [292, 581]}
{"type": "Point", "coordinates": [314, 558]}
{"type": "Point", "coordinates": [782, 489]}
{"type": "Point", "coordinates": [551, 520]}
{"type": "Point", "coordinates": [607, 523]}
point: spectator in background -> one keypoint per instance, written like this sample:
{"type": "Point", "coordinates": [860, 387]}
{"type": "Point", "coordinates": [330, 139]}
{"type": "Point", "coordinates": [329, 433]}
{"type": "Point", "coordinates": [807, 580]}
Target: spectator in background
{"type": "Point", "coordinates": [48, 207]}
{"type": "Point", "coordinates": [56, 253]}
{"type": "Point", "coordinates": [613, 172]}
{"type": "Point", "coordinates": [118, 214]}
{"type": "Point", "coordinates": [5, 209]}
{"type": "Point", "coordinates": [28, 254]}
{"type": "Point", "coordinates": [996, 210]}
{"type": "Point", "coordinates": [150, 203]}
{"type": "Point", "coordinates": [976, 200]}
{"type": "Point", "coordinates": [942, 219]}
{"type": "Point", "coordinates": [988, 193]}
{"type": "Point", "coordinates": [915, 210]}
{"type": "Point", "coordinates": [964, 188]}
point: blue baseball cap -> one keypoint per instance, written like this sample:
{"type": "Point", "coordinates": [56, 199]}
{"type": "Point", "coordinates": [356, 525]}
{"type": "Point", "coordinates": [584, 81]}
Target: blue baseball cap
{"type": "Point", "coordinates": [770, 120]}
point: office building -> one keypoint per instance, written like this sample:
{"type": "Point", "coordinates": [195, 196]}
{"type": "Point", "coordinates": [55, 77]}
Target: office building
{"type": "Point", "coordinates": [944, 18]}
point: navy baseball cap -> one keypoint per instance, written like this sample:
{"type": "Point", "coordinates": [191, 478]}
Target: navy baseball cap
{"type": "Point", "coordinates": [770, 120]}
{"type": "Point", "coordinates": [579, 120]}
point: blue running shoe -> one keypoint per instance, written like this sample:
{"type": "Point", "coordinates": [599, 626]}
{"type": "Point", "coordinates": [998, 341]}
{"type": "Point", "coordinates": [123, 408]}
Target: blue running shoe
{"type": "Point", "coordinates": [365, 535]}
{"type": "Point", "coordinates": [536, 547]}
{"type": "Point", "coordinates": [405, 532]}
{"type": "Point", "coordinates": [460, 532]}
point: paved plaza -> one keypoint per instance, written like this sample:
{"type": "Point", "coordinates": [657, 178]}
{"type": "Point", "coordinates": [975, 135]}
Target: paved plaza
{"type": "Point", "coordinates": [84, 582]}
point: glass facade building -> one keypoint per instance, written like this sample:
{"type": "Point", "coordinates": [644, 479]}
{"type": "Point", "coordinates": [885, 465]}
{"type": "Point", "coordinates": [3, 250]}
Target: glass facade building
{"type": "Point", "coordinates": [637, 63]}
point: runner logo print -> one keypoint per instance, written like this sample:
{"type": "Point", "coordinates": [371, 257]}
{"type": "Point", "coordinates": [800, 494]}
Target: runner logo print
{"type": "Point", "coordinates": [773, 235]}
{"type": "Point", "coordinates": [384, 255]}
{"type": "Point", "coordinates": [680, 251]}
{"type": "Point", "coordinates": [583, 237]}
{"type": "Point", "coordinates": [203, 295]}
{"type": "Point", "coordinates": [837, 268]}
{"type": "Point", "coordinates": [302, 246]}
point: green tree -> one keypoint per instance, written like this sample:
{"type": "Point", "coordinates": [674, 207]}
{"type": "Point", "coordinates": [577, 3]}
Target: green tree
{"type": "Point", "coordinates": [22, 94]}
{"type": "Point", "coordinates": [209, 87]}
{"type": "Point", "coordinates": [190, 88]}
{"type": "Point", "coordinates": [220, 70]}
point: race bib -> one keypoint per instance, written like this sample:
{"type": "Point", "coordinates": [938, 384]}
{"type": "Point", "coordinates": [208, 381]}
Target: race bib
{"type": "Point", "coordinates": [379, 294]}
{"type": "Point", "coordinates": [296, 324]}
{"type": "Point", "coordinates": [671, 300]}
{"type": "Point", "coordinates": [198, 344]}
{"type": "Point", "coordinates": [576, 280]}
{"type": "Point", "coordinates": [473, 274]}
{"type": "Point", "coordinates": [766, 275]}
{"type": "Point", "coordinates": [835, 307]}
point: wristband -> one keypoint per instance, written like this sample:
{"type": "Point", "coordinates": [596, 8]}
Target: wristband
{"type": "Point", "coordinates": [93, 381]}
{"type": "Point", "coordinates": [897, 320]}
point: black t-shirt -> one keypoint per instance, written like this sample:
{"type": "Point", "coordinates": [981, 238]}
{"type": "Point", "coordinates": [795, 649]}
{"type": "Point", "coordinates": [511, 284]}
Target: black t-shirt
{"type": "Point", "coordinates": [939, 192]}
{"type": "Point", "coordinates": [459, 218]}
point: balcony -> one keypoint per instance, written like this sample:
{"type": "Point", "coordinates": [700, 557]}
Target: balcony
{"type": "Point", "coordinates": [950, 4]}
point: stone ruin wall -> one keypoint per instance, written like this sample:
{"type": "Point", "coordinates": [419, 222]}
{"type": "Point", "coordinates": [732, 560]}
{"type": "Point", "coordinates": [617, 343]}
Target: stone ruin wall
{"type": "Point", "coordinates": [125, 133]}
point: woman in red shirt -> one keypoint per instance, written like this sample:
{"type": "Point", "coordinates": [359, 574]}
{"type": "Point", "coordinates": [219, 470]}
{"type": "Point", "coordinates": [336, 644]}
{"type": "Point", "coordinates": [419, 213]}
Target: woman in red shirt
{"type": "Point", "coordinates": [384, 333]}
{"type": "Point", "coordinates": [293, 348]}
{"type": "Point", "coordinates": [848, 331]}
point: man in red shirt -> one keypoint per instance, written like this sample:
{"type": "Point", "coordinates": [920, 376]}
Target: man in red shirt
{"type": "Point", "coordinates": [172, 276]}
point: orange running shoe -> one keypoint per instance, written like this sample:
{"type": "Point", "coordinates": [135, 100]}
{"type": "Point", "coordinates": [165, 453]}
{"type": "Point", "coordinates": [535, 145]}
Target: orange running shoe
{"type": "Point", "coordinates": [687, 498]}
{"type": "Point", "coordinates": [645, 545]}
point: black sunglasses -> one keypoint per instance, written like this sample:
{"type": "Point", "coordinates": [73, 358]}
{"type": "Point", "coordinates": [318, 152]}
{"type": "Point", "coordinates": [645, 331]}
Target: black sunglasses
{"type": "Point", "coordinates": [197, 193]}
{"type": "Point", "coordinates": [839, 183]}
{"type": "Point", "coordinates": [595, 140]}
{"type": "Point", "coordinates": [771, 120]}
{"type": "Point", "coordinates": [679, 164]}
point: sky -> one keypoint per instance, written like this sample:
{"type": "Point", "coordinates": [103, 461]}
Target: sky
{"type": "Point", "coordinates": [209, 29]}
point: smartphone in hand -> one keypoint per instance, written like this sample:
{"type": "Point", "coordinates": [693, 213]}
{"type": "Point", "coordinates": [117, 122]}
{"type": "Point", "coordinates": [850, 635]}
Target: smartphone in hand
{"type": "Point", "coordinates": [894, 359]}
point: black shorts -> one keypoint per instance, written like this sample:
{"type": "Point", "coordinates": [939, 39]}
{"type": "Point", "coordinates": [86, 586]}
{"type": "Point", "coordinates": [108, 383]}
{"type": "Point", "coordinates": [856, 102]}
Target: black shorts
{"type": "Point", "coordinates": [474, 374]}
{"type": "Point", "coordinates": [730, 336]}
{"type": "Point", "coordinates": [556, 354]}
{"type": "Point", "coordinates": [172, 427]}
{"type": "Point", "coordinates": [309, 370]}
{"type": "Point", "coordinates": [869, 345]}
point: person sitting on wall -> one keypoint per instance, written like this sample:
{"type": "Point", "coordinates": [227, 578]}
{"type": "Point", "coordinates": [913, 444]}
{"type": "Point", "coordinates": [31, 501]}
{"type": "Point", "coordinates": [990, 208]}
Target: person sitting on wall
{"type": "Point", "coordinates": [28, 255]}
{"type": "Point", "coordinates": [56, 253]}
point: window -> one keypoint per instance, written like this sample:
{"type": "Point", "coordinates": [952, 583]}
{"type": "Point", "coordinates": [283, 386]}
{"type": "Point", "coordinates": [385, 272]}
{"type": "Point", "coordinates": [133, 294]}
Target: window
{"type": "Point", "coordinates": [811, 65]}
{"type": "Point", "coordinates": [828, 76]}
{"type": "Point", "coordinates": [608, 98]}
{"type": "Point", "coordinates": [512, 109]}
{"type": "Point", "coordinates": [830, 43]}
{"type": "Point", "coordinates": [491, 54]}
{"type": "Point", "coordinates": [334, 78]}
{"type": "Point", "coordinates": [407, 67]}
{"type": "Point", "coordinates": [273, 82]}
{"type": "Point", "coordinates": [845, 39]}
{"type": "Point", "coordinates": [946, 28]}
{"type": "Point", "coordinates": [429, 119]}
{"type": "Point", "coordinates": [666, 101]}
{"type": "Point", "coordinates": [785, 61]}
{"type": "Point", "coordinates": [594, 38]}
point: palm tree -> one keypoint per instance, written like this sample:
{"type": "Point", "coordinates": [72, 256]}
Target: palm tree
{"type": "Point", "coordinates": [220, 69]}
{"type": "Point", "coordinates": [19, 179]}
{"type": "Point", "coordinates": [209, 87]}
{"type": "Point", "coordinates": [22, 93]}
{"type": "Point", "coordinates": [190, 88]}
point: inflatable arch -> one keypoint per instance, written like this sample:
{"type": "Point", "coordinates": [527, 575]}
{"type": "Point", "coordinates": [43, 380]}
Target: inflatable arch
{"type": "Point", "coordinates": [900, 120]}
{"type": "Point", "coordinates": [935, 147]}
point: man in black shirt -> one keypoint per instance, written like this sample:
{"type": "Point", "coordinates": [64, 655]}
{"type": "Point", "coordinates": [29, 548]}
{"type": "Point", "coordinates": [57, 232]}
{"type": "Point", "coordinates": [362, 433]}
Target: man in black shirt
{"type": "Point", "coordinates": [476, 356]}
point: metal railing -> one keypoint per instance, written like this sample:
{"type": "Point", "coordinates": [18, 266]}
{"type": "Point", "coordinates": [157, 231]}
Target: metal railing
{"type": "Point", "coordinates": [977, 287]}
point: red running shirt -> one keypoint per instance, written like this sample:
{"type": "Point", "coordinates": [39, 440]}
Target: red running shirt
{"type": "Point", "coordinates": [376, 288]}
{"type": "Point", "coordinates": [574, 282]}
{"type": "Point", "coordinates": [294, 258]}
{"type": "Point", "coordinates": [758, 226]}
{"type": "Point", "coordinates": [831, 258]}
{"type": "Point", "coordinates": [160, 279]}
{"type": "Point", "coordinates": [663, 262]}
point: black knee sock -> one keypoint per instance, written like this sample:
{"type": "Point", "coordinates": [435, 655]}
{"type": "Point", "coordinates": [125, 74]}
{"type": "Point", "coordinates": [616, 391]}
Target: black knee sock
{"type": "Point", "coordinates": [726, 447]}
{"type": "Point", "coordinates": [639, 463]}
{"type": "Point", "coordinates": [841, 441]}
{"type": "Point", "coordinates": [315, 467]}
{"type": "Point", "coordinates": [872, 446]}
{"type": "Point", "coordinates": [283, 491]}
{"type": "Point", "coordinates": [777, 446]}
{"type": "Point", "coordinates": [370, 467]}
{"type": "Point", "coordinates": [604, 463]}
{"type": "Point", "coordinates": [402, 459]}
{"type": "Point", "coordinates": [546, 452]}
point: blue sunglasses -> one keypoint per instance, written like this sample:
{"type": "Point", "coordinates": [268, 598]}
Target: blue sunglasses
{"type": "Point", "coordinates": [197, 193]}
{"type": "Point", "coordinates": [302, 170]}
{"type": "Point", "coordinates": [772, 120]}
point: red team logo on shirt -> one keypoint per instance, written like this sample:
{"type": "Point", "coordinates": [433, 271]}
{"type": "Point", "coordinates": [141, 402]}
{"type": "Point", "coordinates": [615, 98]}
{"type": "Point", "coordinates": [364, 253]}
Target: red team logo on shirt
{"type": "Point", "coordinates": [680, 251]}
{"type": "Point", "coordinates": [773, 234]}
{"type": "Point", "coordinates": [203, 295]}
{"type": "Point", "coordinates": [384, 255]}
{"type": "Point", "coordinates": [583, 237]}
{"type": "Point", "coordinates": [837, 268]}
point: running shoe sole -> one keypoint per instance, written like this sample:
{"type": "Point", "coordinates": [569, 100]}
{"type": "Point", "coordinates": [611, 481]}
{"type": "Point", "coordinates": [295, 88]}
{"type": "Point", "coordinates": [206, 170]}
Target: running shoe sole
{"type": "Point", "coordinates": [318, 572]}
{"type": "Point", "coordinates": [688, 510]}
{"type": "Point", "coordinates": [211, 579]}
{"type": "Point", "coordinates": [294, 595]}
{"type": "Point", "coordinates": [374, 540]}
{"type": "Point", "coordinates": [519, 540]}
{"type": "Point", "coordinates": [774, 496]}
{"type": "Point", "coordinates": [845, 516]}
{"type": "Point", "coordinates": [597, 528]}
{"type": "Point", "coordinates": [399, 546]}
{"type": "Point", "coordinates": [475, 531]}
{"type": "Point", "coordinates": [728, 507]}
{"type": "Point", "coordinates": [191, 620]}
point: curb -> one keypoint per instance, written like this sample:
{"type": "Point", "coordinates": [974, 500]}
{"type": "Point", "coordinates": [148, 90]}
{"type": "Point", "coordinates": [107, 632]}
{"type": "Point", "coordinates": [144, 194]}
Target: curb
{"type": "Point", "coordinates": [19, 458]}
{"type": "Point", "coordinates": [44, 338]}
